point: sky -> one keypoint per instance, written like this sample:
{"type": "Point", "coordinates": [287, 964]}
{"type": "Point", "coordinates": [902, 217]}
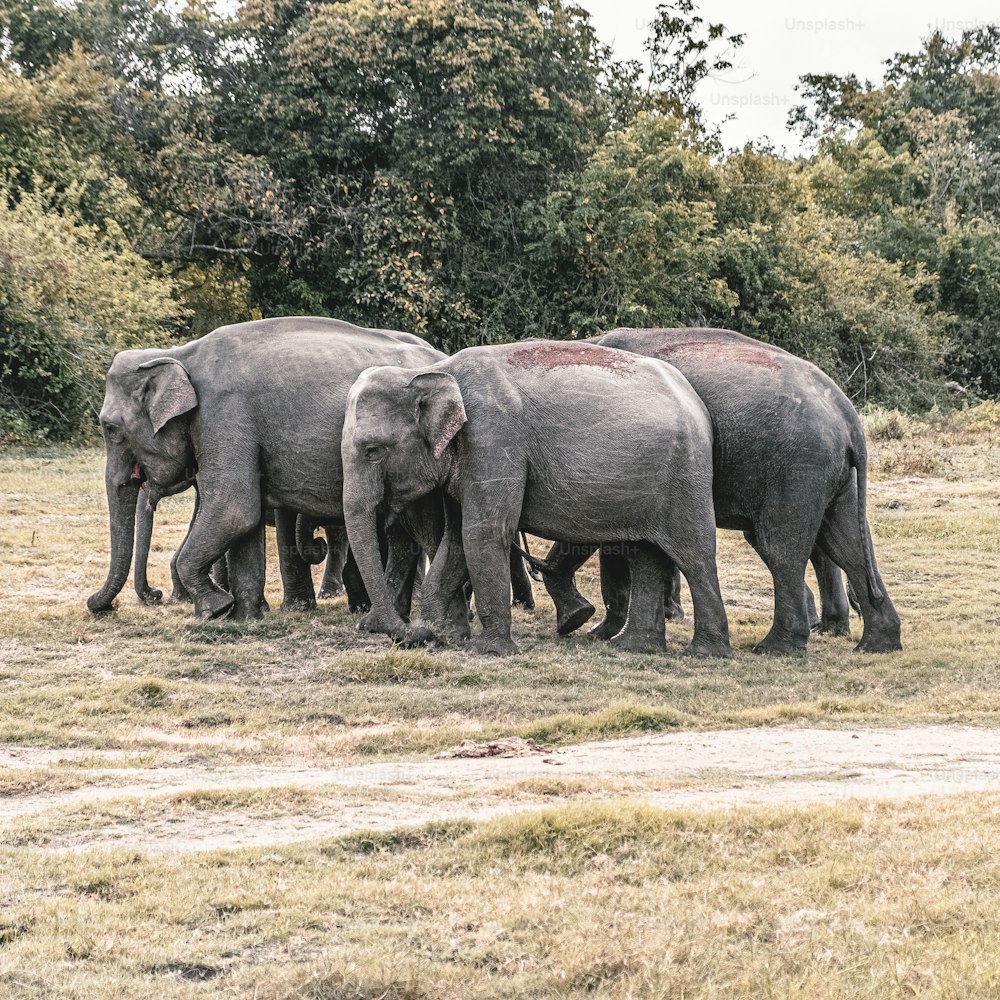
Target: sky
{"type": "Point", "coordinates": [786, 39]}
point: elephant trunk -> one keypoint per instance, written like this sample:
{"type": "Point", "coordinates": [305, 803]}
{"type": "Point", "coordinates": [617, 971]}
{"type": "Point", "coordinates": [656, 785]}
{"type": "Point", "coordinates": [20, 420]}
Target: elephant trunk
{"type": "Point", "coordinates": [362, 530]}
{"type": "Point", "coordinates": [122, 483]}
{"type": "Point", "coordinates": [312, 549]}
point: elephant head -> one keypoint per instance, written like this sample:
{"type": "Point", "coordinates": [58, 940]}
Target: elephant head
{"type": "Point", "coordinates": [147, 397]}
{"type": "Point", "coordinates": [397, 447]}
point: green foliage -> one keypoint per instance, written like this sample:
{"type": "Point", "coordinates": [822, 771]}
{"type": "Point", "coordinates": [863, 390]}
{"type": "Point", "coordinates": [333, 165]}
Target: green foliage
{"type": "Point", "coordinates": [632, 242]}
{"type": "Point", "coordinates": [70, 297]}
{"type": "Point", "coordinates": [477, 173]}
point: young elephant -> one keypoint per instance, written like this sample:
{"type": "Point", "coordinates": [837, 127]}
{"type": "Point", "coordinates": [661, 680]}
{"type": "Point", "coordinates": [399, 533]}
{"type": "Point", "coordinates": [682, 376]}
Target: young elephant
{"type": "Point", "coordinates": [566, 441]}
{"type": "Point", "coordinates": [790, 472]}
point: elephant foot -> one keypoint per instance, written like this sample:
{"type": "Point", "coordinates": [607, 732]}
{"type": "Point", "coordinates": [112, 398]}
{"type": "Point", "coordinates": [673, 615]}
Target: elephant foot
{"type": "Point", "coordinates": [879, 644]}
{"type": "Point", "coordinates": [840, 627]}
{"type": "Point", "coordinates": [298, 603]}
{"type": "Point", "coordinates": [98, 606]}
{"type": "Point", "coordinates": [780, 645]}
{"type": "Point", "coordinates": [412, 635]}
{"type": "Point", "coordinates": [673, 611]}
{"type": "Point", "coordinates": [401, 633]}
{"type": "Point", "coordinates": [214, 605]}
{"type": "Point", "coordinates": [247, 611]}
{"type": "Point", "coordinates": [359, 607]}
{"type": "Point", "coordinates": [370, 623]}
{"type": "Point", "coordinates": [328, 593]}
{"type": "Point", "coordinates": [151, 596]}
{"type": "Point", "coordinates": [570, 618]}
{"type": "Point", "coordinates": [527, 602]}
{"type": "Point", "coordinates": [718, 649]}
{"type": "Point", "coordinates": [493, 646]}
{"type": "Point", "coordinates": [452, 631]}
{"type": "Point", "coordinates": [639, 641]}
{"type": "Point", "coordinates": [606, 629]}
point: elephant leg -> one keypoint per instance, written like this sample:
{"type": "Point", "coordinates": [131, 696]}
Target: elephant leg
{"type": "Point", "coordinates": [247, 563]}
{"type": "Point", "coordinates": [690, 545]}
{"type": "Point", "coordinates": [220, 573]}
{"type": "Point", "coordinates": [812, 615]}
{"type": "Point", "coordinates": [488, 533]}
{"type": "Point", "coordinates": [143, 540]}
{"type": "Point", "coordinates": [179, 592]}
{"type": "Point", "coordinates": [673, 609]}
{"type": "Point", "coordinates": [843, 540]}
{"type": "Point", "coordinates": [444, 595]}
{"type": "Point", "coordinates": [296, 574]}
{"type": "Point", "coordinates": [333, 580]}
{"type": "Point", "coordinates": [785, 555]}
{"type": "Point", "coordinates": [522, 593]}
{"type": "Point", "coordinates": [835, 612]}
{"type": "Point", "coordinates": [358, 601]}
{"type": "Point", "coordinates": [643, 630]}
{"type": "Point", "coordinates": [402, 553]}
{"type": "Point", "coordinates": [226, 512]}
{"type": "Point", "coordinates": [614, 589]}
{"type": "Point", "coordinates": [562, 562]}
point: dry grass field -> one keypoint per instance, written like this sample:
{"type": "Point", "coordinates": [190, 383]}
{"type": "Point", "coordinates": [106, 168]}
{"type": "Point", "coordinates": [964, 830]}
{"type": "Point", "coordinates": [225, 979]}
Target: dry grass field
{"type": "Point", "coordinates": [193, 809]}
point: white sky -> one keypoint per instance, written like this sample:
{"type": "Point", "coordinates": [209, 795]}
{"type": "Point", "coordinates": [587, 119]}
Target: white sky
{"type": "Point", "coordinates": [786, 39]}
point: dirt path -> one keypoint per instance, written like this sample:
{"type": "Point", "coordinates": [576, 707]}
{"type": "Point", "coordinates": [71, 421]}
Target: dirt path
{"type": "Point", "coordinates": [685, 770]}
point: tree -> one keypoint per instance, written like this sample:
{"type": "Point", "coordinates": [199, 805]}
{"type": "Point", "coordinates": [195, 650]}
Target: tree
{"type": "Point", "coordinates": [70, 297]}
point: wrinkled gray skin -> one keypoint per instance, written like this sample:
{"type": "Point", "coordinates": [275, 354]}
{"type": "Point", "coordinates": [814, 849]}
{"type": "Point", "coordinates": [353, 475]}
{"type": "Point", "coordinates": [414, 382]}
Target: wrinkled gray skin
{"type": "Point", "coordinates": [513, 434]}
{"type": "Point", "coordinates": [790, 472]}
{"type": "Point", "coordinates": [257, 410]}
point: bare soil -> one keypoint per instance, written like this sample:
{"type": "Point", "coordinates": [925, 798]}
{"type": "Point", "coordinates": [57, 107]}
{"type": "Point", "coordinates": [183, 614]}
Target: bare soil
{"type": "Point", "coordinates": [685, 770]}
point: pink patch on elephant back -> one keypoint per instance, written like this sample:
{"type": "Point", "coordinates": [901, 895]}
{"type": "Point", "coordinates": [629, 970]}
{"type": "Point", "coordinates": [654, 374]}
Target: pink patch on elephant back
{"type": "Point", "coordinates": [568, 355]}
{"type": "Point", "coordinates": [738, 354]}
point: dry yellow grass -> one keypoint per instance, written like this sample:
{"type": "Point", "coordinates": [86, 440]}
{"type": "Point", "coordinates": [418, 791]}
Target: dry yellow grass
{"type": "Point", "coordinates": [152, 679]}
{"type": "Point", "coordinates": [613, 900]}
{"type": "Point", "coordinates": [597, 898]}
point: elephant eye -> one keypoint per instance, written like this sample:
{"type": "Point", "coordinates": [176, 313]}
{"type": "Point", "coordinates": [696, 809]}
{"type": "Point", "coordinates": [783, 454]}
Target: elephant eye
{"type": "Point", "coordinates": [374, 452]}
{"type": "Point", "coordinates": [113, 432]}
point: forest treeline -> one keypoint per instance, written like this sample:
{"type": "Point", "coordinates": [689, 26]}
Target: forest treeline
{"type": "Point", "coordinates": [476, 172]}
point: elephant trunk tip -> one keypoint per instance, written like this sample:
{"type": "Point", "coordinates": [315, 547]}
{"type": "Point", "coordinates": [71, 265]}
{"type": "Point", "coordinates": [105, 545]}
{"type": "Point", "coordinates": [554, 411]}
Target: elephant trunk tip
{"type": "Point", "coordinates": [100, 603]}
{"type": "Point", "coordinates": [311, 548]}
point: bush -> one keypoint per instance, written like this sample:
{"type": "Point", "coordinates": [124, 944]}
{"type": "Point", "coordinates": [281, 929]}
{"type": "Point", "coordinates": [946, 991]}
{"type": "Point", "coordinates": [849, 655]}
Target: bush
{"type": "Point", "coordinates": [71, 296]}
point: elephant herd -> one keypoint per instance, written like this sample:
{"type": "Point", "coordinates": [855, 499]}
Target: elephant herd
{"type": "Point", "coordinates": [636, 444]}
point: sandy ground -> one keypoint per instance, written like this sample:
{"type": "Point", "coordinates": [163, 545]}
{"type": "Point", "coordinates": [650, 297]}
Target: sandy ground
{"type": "Point", "coordinates": [684, 770]}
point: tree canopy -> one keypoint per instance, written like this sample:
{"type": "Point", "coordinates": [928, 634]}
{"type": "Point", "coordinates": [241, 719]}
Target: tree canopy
{"type": "Point", "coordinates": [476, 173]}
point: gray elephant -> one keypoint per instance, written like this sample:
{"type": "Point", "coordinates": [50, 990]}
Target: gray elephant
{"type": "Point", "coordinates": [790, 472]}
{"type": "Point", "coordinates": [513, 434]}
{"type": "Point", "coordinates": [254, 412]}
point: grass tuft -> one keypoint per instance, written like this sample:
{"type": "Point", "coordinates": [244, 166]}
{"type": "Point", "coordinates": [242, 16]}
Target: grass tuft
{"type": "Point", "coordinates": [618, 720]}
{"type": "Point", "coordinates": [881, 424]}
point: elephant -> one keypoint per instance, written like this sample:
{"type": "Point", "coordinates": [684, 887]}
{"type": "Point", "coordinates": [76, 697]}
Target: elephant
{"type": "Point", "coordinates": [790, 472]}
{"type": "Point", "coordinates": [253, 412]}
{"type": "Point", "coordinates": [512, 434]}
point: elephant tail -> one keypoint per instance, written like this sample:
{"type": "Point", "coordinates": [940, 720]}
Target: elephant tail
{"type": "Point", "coordinates": [859, 459]}
{"type": "Point", "coordinates": [536, 567]}
{"type": "Point", "coordinates": [313, 550]}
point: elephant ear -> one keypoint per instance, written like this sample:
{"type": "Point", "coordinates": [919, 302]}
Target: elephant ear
{"type": "Point", "coordinates": [168, 391]}
{"type": "Point", "coordinates": [440, 410]}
